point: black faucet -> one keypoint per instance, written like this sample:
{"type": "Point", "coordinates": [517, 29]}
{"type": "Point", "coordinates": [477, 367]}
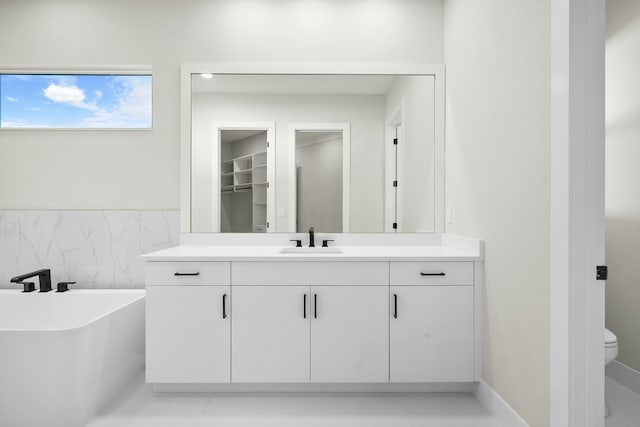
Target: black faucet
{"type": "Point", "coordinates": [44, 276]}
{"type": "Point", "coordinates": [311, 237]}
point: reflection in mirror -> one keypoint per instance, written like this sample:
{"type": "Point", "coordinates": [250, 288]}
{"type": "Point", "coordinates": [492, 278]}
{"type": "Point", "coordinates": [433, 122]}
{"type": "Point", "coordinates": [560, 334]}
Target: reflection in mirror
{"type": "Point", "coordinates": [319, 175]}
{"type": "Point", "coordinates": [243, 179]}
{"type": "Point", "coordinates": [233, 191]}
{"type": "Point", "coordinates": [232, 171]}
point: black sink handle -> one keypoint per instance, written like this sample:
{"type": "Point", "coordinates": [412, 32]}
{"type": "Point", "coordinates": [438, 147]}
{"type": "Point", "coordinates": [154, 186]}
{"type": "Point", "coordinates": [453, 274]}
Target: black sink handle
{"type": "Point", "coordinates": [64, 286]}
{"type": "Point", "coordinates": [28, 286]}
{"type": "Point", "coordinates": [325, 242]}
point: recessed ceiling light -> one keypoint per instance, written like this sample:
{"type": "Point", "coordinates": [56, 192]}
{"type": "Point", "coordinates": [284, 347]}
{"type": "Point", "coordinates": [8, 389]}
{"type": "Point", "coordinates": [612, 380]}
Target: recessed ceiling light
{"type": "Point", "coordinates": [206, 75]}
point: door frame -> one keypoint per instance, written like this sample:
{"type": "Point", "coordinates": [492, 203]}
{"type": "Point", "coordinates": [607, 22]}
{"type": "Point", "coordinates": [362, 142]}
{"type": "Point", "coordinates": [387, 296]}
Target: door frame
{"type": "Point", "coordinates": [216, 128]}
{"type": "Point", "coordinates": [576, 358]}
{"type": "Point", "coordinates": [345, 128]}
{"type": "Point", "coordinates": [393, 207]}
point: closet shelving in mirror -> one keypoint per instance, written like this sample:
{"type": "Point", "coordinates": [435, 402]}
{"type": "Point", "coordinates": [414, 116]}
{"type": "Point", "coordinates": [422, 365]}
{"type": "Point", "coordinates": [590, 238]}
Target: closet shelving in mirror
{"type": "Point", "coordinates": [239, 173]}
{"type": "Point", "coordinates": [248, 173]}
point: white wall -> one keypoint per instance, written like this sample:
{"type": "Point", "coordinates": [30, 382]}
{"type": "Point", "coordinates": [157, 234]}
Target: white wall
{"type": "Point", "coordinates": [125, 169]}
{"type": "Point", "coordinates": [416, 185]}
{"type": "Point", "coordinates": [365, 113]}
{"type": "Point", "coordinates": [623, 176]}
{"type": "Point", "coordinates": [497, 54]}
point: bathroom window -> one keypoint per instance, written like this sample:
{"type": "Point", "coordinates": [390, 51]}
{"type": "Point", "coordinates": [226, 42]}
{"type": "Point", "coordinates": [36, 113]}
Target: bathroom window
{"type": "Point", "coordinates": [75, 101]}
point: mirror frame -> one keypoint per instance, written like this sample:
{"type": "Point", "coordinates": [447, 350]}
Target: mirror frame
{"type": "Point", "coordinates": [188, 69]}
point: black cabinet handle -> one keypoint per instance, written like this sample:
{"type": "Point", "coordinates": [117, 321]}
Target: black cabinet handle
{"type": "Point", "coordinates": [224, 306]}
{"type": "Point", "coordinates": [432, 274]}
{"type": "Point", "coordinates": [187, 274]}
{"type": "Point", "coordinates": [395, 306]}
{"type": "Point", "coordinates": [315, 306]}
{"type": "Point", "coordinates": [304, 306]}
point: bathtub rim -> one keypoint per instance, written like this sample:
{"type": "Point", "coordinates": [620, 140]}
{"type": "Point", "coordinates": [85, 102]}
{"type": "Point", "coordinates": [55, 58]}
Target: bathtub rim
{"type": "Point", "coordinates": [140, 292]}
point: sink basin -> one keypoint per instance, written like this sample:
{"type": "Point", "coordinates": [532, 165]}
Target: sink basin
{"type": "Point", "coordinates": [319, 250]}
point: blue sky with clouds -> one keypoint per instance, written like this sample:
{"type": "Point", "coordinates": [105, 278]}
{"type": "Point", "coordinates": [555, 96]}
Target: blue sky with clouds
{"type": "Point", "coordinates": [75, 101]}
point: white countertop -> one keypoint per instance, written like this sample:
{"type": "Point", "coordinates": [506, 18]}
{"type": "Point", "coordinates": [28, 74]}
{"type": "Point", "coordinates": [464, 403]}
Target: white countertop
{"type": "Point", "coordinates": [349, 253]}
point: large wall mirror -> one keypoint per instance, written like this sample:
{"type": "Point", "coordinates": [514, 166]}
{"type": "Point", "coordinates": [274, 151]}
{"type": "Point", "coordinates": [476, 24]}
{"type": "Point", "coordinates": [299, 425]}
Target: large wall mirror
{"type": "Point", "coordinates": [341, 152]}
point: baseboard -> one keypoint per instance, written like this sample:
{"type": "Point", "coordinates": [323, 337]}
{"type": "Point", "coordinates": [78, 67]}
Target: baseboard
{"type": "Point", "coordinates": [317, 388]}
{"type": "Point", "coordinates": [496, 406]}
{"type": "Point", "coordinates": [624, 375]}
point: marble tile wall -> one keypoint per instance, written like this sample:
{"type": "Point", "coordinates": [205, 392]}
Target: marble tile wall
{"type": "Point", "coordinates": [97, 249]}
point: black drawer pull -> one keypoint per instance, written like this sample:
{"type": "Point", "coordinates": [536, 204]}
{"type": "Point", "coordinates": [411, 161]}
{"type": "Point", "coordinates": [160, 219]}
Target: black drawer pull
{"type": "Point", "coordinates": [315, 306]}
{"type": "Point", "coordinates": [432, 274]}
{"type": "Point", "coordinates": [304, 306]}
{"type": "Point", "coordinates": [187, 274]}
{"type": "Point", "coordinates": [224, 306]}
{"type": "Point", "coordinates": [395, 306]}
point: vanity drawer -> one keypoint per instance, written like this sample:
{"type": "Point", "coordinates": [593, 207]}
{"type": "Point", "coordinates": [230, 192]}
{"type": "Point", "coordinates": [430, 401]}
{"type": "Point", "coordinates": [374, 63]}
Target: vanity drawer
{"type": "Point", "coordinates": [187, 273]}
{"type": "Point", "coordinates": [431, 273]}
{"type": "Point", "coordinates": [318, 273]}
{"type": "Point", "coordinates": [270, 273]}
{"type": "Point", "coordinates": [350, 273]}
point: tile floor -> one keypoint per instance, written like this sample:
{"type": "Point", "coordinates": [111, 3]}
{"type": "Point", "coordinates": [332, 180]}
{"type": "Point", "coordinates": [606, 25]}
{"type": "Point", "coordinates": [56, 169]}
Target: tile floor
{"type": "Point", "coordinates": [624, 405]}
{"type": "Point", "coordinates": [140, 407]}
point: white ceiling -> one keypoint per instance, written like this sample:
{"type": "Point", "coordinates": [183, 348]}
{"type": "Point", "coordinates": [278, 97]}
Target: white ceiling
{"type": "Point", "coordinates": [238, 135]}
{"type": "Point", "coordinates": [293, 84]}
{"type": "Point", "coordinates": [304, 138]}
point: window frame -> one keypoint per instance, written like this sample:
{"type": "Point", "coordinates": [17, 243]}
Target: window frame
{"type": "Point", "coordinates": [113, 70]}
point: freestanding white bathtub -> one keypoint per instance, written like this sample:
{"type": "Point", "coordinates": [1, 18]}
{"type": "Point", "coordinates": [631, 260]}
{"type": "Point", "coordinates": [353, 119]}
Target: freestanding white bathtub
{"type": "Point", "coordinates": [64, 356]}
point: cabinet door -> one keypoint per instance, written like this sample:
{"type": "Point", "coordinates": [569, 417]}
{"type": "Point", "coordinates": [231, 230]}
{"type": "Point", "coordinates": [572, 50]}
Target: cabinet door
{"type": "Point", "coordinates": [349, 334]}
{"type": "Point", "coordinates": [270, 334]}
{"type": "Point", "coordinates": [431, 336]}
{"type": "Point", "coordinates": [188, 337]}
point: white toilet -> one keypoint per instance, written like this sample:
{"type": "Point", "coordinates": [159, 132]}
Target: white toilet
{"type": "Point", "coordinates": [610, 347]}
{"type": "Point", "coordinates": [610, 353]}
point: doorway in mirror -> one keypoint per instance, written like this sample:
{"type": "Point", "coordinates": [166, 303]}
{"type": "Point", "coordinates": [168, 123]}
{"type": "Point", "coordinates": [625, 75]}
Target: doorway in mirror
{"type": "Point", "coordinates": [320, 177]}
{"type": "Point", "coordinates": [243, 181]}
{"type": "Point", "coordinates": [242, 197]}
{"type": "Point", "coordinates": [319, 181]}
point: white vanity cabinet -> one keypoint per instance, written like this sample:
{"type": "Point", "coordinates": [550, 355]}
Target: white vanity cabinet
{"type": "Point", "coordinates": [349, 327]}
{"type": "Point", "coordinates": [271, 335]}
{"type": "Point", "coordinates": [350, 334]}
{"type": "Point", "coordinates": [309, 320]}
{"type": "Point", "coordinates": [322, 334]}
{"type": "Point", "coordinates": [318, 322]}
{"type": "Point", "coordinates": [432, 322]}
{"type": "Point", "coordinates": [188, 328]}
